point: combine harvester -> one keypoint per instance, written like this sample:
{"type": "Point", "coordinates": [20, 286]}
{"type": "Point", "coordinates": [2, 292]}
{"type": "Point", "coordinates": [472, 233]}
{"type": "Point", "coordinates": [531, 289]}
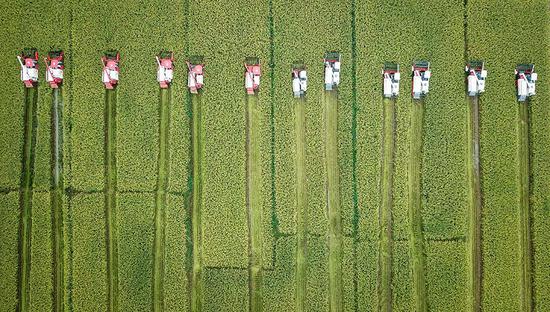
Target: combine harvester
{"type": "Point", "coordinates": [332, 70]}
{"type": "Point", "coordinates": [299, 80]}
{"type": "Point", "coordinates": [525, 81]}
{"type": "Point", "coordinates": [110, 61]}
{"type": "Point", "coordinates": [392, 76]}
{"type": "Point", "coordinates": [421, 79]}
{"type": "Point", "coordinates": [54, 68]}
{"type": "Point", "coordinates": [476, 77]}
{"type": "Point", "coordinates": [252, 74]}
{"type": "Point", "coordinates": [195, 77]}
{"type": "Point", "coordinates": [165, 70]}
{"type": "Point", "coordinates": [29, 67]}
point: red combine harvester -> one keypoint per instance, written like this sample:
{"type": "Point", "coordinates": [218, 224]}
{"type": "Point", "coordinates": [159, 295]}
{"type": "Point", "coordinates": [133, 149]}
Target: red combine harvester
{"type": "Point", "coordinates": [165, 71]}
{"type": "Point", "coordinates": [252, 74]}
{"type": "Point", "coordinates": [195, 77]}
{"type": "Point", "coordinates": [54, 68]}
{"type": "Point", "coordinates": [110, 62]}
{"type": "Point", "coordinates": [29, 67]}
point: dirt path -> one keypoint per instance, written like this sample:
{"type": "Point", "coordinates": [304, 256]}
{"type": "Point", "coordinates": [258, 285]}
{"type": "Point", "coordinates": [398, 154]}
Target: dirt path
{"type": "Point", "coordinates": [57, 200]}
{"type": "Point", "coordinates": [525, 211]}
{"type": "Point", "coordinates": [474, 177]}
{"type": "Point", "coordinates": [385, 216]}
{"type": "Point", "coordinates": [25, 198]}
{"type": "Point", "coordinates": [415, 206]}
{"type": "Point", "coordinates": [333, 201]}
{"type": "Point", "coordinates": [254, 202]}
{"type": "Point", "coordinates": [301, 205]}
{"type": "Point", "coordinates": [160, 200]}
{"type": "Point", "coordinates": [196, 282]}
{"type": "Point", "coordinates": [110, 199]}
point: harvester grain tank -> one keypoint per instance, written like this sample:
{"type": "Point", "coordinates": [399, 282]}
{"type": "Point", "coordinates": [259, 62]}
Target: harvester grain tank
{"type": "Point", "coordinates": [252, 74]}
{"type": "Point", "coordinates": [195, 76]}
{"type": "Point", "coordinates": [332, 70]}
{"type": "Point", "coordinates": [525, 81]}
{"type": "Point", "coordinates": [391, 76]}
{"type": "Point", "coordinates": [165, 70]}
{"type": "Point", "coordinates": [476, 77]}
{"type": "Point", "coordinates": [110, 61]}
{"type": "Point", "coordinates": [421, 79]}
{"type": "Point", "coordinates": [29, 67]}
{"type": "Point", "coordinates": [299, 80]}
{"type": "Point", "coordinates": [55, 65]}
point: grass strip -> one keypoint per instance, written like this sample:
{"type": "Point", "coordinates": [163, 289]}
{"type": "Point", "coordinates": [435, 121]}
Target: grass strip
{"type": "Point", "coordinates": [196, 283]}
{"type": "Point", "coordinates": [330, 100]}
{"type": "Point", "coordinates": [301, 206]}
{"type": "Point", "coordinates": [418, 260]}
{"type": "Point", "coordinates": [474, 177]}
{"type": "Point", "coordinates": [524, 209]}
{"type": "Point", "coordinates": [160, 201]}
{"type": "Point", "coordinates": [385, 215]}
{"type": "Point", "coordinates": [25, 199]}
{"type": "Point", "coordinates": [57, 200]}
{"type": "Point", "coordinates": [110, 199]}
{"type": "Point", "coordinates": [254, 202]}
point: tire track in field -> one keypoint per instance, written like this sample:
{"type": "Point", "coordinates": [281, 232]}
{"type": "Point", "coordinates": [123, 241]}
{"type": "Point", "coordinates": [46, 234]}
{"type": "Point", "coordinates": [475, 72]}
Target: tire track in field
{"type": "Point", "coordinates": [25, 198]}
{"type": "Point", "coordinates": [57, 200]}
{"type": "Point", "coordinates": [254, 202]}
{"type": "Point", "coordinates": [525, 210]}
{"type": "Point", "coordinates": [332, 190]}
{"type": "Point", "coordinates": [110, 200]}
{"type": "Point", "coordinates": [160, 200]}
{"type": "Point", "coordinates": [415, 206]}
{"type": "Point", "coordinates": [196, 277]}
{"type": "Point", "coordinates": [476, 202]}
{"type": "Point", "coordinates": [301, 205]}
{"type": "Point", "coordinates": [385, 215]}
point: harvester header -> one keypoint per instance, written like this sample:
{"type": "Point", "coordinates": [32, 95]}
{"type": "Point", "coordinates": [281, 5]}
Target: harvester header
{"type": "Point", "coordinates": [252, 74]}
{"type": "Point", "coordinates": [332, 69]}
{"type": "Point", "coordinates": [476, 75]}
{"type": "Point", "coordinates": [195, 78]}
{"type": "Point", "coordinates": [421, 79]}
{"type": "Point", "coordinates": [165, 70]}
{"type": "Point", "coordinates": [29, 67]}
{"type": "Point", "coordinates": [110, 61]}
{"type": "Point", "coordinates": [525, 81]}
{"type": "Point", "coordinates": [55, 65]}
{"type": "Point", "coordinates": [391, 76]}
{"type": "Point", "coordinates": [299, 79]}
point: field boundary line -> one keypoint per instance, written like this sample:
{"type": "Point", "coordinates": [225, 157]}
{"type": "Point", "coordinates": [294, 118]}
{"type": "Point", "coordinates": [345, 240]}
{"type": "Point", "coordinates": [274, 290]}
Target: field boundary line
{"type": "Point", "coordinates": [110, 200]}
{"type": "Point", "coordinates": [25, 198]}
{"type": "Point", "coordinates": [415, 206]}
{"type": "Point", "coordinates": [385, 215]}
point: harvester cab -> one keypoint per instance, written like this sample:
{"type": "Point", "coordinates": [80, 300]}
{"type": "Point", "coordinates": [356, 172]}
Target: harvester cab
{"type": "Point", "coordinates": [165, 70]}
{"type": "Point", "coordinates": [195, 78]}
{"type": "Point", "coordinates": [54, 68]}
{"type": "Point", "coordinates": [29, 67]}
{"type": "Point", "coordinates": [299, 80]}
{"type": "Point", "coordinates": [391, 76]}
{"type": "Point", "coordinates": [111, 69]}
{"type": "Point", "coordinates": [332, 70]}
{"type": "Point", "coordinates": [476, 77]}
{"type": "Point", "coordinates": [525, 81]}
{"type": "Point", "coordinates": [421, 79]}
{"type": "Point", "coordinates": [252, 74]}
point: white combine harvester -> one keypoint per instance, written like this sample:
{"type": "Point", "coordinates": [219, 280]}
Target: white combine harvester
{"type": "Point", "coordinates": [195, 76]}
{"type": "Point", "coordinates": [476, 77]}
{"type": "Point", "coordinates": [110, 74]}
{"type": "Point", "coordinates": [55, 65]}
{"type": "Point", "coordinates": [29, 67]}
{"type": "Point", "coordinates": [525, 81]}
{"type": "Point", "coordinates": [165, 70]}
{"type": "Point", "coordinates": [421, 79]}
{"type": "Point", "coordinates": [299, 80]}
{"type": "Point", "coordinates": [392, 76]}
{"type": "Point", "coordinates": [332, 70]}
{"type": "Point", "coordinates": [252, 75]}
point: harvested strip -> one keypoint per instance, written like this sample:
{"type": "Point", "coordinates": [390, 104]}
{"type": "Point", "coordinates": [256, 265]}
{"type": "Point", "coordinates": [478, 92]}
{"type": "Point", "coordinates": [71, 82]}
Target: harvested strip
{"type": "Point", "coordinates": [160, 201]}
{"type": "Point", "coordinates": [31, 96]}
{"type": "Point", "coordinates": [330, 100]}
{"type": "Point", "coordinates": [418, 260]}
{"type": "Point", "coordinates": [474, 177]}
{"type": "Point", "coordinates": [385, 235]}
{"type": "Point", "coordinates": [197, 284]}
{"type": "Point", "coordinates": [57, 200]}
{"type": "Point", "coordinates": [110, 199]}
{"type": "Point", "coordinates": [525, 211]}
{"type": "Point", "coordinates": [301, 206]}
{"type": "Point", "coordinates": [254, 204]}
